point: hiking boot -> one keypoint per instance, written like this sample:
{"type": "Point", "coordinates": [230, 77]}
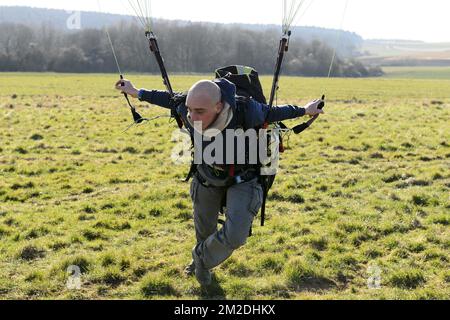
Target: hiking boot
{"type": "Point", "coordinates": [190, 269]}
{"type": "Point", "coordinates": [202, 274]}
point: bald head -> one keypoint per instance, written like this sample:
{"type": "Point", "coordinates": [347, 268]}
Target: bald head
{"type": "Point", "coordinates": [204, 102]}
{"type": "Point", "coordinates": [204, 93]}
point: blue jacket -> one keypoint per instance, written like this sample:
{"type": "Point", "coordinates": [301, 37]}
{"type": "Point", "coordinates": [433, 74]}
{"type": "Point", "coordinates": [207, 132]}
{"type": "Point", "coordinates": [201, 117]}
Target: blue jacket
{"type": "Point", "coordinates": [255, 114]}
{"type": "Point", "coordinates": [246, 113]}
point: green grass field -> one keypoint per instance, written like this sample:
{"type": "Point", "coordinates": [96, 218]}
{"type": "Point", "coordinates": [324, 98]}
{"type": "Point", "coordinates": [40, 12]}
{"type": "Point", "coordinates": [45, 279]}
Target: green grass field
{"type": "Point", "coordinates": [361, 196]}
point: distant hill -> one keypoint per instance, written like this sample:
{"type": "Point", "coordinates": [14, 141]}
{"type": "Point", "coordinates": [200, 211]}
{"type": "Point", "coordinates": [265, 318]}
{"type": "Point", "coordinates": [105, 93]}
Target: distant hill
{"type": "Point", "coordinates": [57, 18]}
{"type": "Point", "coordinates": [349, 42]}
{"type": "Point", "coordinates": [351, 45]}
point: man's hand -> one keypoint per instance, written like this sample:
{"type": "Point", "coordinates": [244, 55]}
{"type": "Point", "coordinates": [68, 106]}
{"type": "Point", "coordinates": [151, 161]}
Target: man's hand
{"type": "Point", "coordinates": [127, 87]}
{"type": "Point", "coordinates": [312, 108]}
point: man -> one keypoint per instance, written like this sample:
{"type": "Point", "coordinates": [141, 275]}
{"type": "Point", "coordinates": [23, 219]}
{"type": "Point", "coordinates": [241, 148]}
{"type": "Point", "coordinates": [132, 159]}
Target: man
{"type": "Point", "coordinates": [210, 109]}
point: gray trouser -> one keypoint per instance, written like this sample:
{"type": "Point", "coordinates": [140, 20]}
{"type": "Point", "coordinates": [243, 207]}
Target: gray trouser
{"type": "Point", "coordinates": [243, 203]}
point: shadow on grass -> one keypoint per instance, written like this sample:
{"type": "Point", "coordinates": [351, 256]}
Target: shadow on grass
{"type": "Point", "coordinates": [212, 292]}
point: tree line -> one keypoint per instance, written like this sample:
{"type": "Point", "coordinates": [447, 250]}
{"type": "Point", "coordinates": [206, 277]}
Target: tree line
{"type": "Point", "coordinates": [187, 48]}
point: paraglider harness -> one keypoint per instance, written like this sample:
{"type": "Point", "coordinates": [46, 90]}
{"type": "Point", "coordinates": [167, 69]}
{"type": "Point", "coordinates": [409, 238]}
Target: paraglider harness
{"type": "Point", "coordinates": [248, 86]}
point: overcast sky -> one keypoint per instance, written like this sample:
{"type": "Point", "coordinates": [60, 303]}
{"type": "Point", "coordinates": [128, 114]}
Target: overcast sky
{"type": "Point", "coordinates": [426, 20]}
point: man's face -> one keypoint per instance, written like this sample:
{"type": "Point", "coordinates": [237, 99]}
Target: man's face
{"type": "Point", "coordinates": [202, 109]}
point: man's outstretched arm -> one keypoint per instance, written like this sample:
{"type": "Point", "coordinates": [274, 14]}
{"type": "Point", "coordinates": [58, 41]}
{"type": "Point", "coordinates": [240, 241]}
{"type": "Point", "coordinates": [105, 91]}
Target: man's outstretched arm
{"type": "Point", "coordinates": [258, 113]}
{"type": "Point", "coordinates": [156, 97]}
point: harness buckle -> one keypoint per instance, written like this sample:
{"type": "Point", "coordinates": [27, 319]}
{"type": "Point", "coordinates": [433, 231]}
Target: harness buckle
{"type": "Point", "coordinates": [238, 180]}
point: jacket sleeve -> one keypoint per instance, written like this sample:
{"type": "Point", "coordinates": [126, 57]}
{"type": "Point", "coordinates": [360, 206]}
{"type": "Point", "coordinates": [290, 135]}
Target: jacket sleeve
{"type": "Point", "coordinates": [159, 98]}
{"type": "Point", "coordinates": [256, 114]}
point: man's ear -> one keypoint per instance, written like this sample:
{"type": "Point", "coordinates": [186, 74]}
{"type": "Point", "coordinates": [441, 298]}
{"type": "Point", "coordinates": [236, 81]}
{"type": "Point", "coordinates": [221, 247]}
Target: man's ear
{"type": "Point", "coordinates": [219, 107]}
